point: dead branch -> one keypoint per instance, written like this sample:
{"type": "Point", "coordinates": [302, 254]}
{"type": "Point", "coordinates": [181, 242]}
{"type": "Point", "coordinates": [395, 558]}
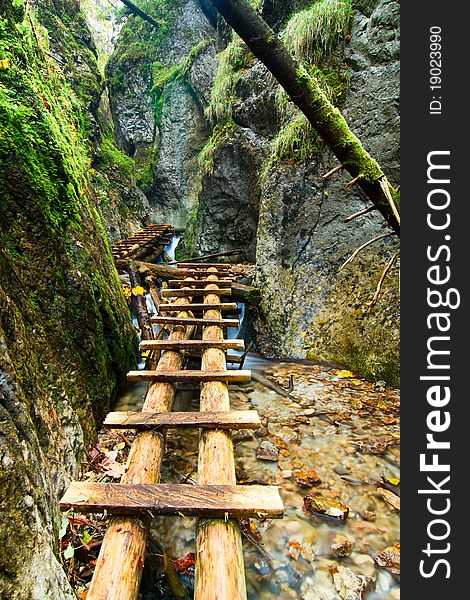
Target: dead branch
{"type": "Point", "coordinates": [352, 183]}
{"type": "Point", "coordinates": [332, 172]}
{"type": "Point", "coordinates": [359, 213]}
{"type": "Point", "coordinates": [385, 185]}
{"type": "Point", "coordinates": [368, 243]}
{"type": "Point", "coordinates": [382, 279]}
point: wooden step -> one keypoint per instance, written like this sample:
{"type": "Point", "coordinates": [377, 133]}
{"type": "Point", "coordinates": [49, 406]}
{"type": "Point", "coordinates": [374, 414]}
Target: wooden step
{"type": "Point", "coordinates": [209, 501]}
{"type": "Point", "coordinates": [189, 265]}
{"type": "Point", "coordinates": [194, 321]}
{"type": "Point", "coordinates": [228, 306]}
{"type": "Point", "coordinates": [187, 375]}
{"type": "Point", "coordinates": [183, 282]}
{"type": "Point", "coordinates": [191, 344]}
{"type": "Point", "coordinates": [169, 293]}
{"type": "Point", "coordinates": [232, 419]}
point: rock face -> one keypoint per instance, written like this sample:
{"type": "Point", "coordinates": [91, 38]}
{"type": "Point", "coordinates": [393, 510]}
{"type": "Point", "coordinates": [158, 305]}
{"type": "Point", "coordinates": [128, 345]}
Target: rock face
{"type": "Point", "coordinates": [207, 173]}
{"type": "Point", "coordinates": [66, 339]}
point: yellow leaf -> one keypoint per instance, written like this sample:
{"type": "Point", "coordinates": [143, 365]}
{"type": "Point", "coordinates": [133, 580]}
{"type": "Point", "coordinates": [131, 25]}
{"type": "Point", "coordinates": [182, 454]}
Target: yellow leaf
{"type": "Point", "coordinates": [393, 481]}
{"type": "Point", "coordinates": [5, 63]}
{"type": "Point", "coordinates": [345, 373]}
{"type": "Point", "coordinates": [138, 290]}
{"type": "Point", "coordinates": [127, 292]}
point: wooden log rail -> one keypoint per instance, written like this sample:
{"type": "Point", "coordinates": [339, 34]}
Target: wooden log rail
{"type": "Point", "coordinates": [217, 501]}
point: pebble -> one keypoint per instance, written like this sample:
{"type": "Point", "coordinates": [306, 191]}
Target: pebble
{"type": "Point", "coordinates": [267, 451]}
{"type": "Point", "coordinates": [308, 479]}
{"type": "Point", "coordinates": [286, 474]}
{"type": "Point", "coordinates": [342, 548]}
{"type": "Point", "coordinates": [351, 586]}
{"type": "Point", "coordinates": [326, 506]}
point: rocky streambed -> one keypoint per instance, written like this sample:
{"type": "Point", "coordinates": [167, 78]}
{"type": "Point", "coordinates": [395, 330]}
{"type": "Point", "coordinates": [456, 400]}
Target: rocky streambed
{"type": "Point", "coordinates": [331, 444]}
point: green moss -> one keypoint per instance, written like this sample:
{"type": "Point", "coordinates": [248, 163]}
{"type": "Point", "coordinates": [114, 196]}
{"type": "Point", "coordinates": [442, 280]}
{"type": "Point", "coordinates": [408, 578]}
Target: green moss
{"type": "Point", "coordinates": [112, 156]}
{"type": "Point", "coordinates": [231, 63]}
{"type": "Point", "coordinates": [222, 134]}
{"type": "Point", "coordinates": [42, 132]}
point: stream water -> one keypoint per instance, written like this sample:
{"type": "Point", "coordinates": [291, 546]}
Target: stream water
{"type": "Point", "coordinates": [352, 448]}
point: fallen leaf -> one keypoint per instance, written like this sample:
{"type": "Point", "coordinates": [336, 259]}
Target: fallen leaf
{"type": "Point", "coordinates": [69, 552]}
{"type": "Point", "coordinates": [185, 565]}
{"type": "Point", "coordinates": [345, 373]}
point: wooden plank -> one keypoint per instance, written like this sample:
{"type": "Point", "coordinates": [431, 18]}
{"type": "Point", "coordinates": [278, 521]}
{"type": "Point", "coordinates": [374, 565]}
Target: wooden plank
{"type": "Point", "coordinates": [209, 501]}
{"type": "Point", "coordinates": [184, 282]}
{"type": "Point", "coordinates": [195, 321]}
{"type": "Point", "coordinates": [191, 344]}
{"type": "Point", "coordinates": [232, 419]}
{"type": "Point", "coordinates": [170, 293]}
{"type": "Point", "coordinates": [201, 265]}
{"type": "Point", "coordinates": [227, 306]}
{"type": "Point", "coordinates": [188, 375]}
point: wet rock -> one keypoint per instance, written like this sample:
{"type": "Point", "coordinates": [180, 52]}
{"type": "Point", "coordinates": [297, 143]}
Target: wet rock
{"type": "Point", "coordinates": [297, 549]}
{"type": "Point", "coordinates": [351, 586]}
{"type": "Point", "coordinates": [286, 474]}
{"type": "Point", "coordinates": [369, 515]}
{"type": "Point", "coordinates": [262, 432]}
{"type": "Point", "coordinates": [389, 558]}
{"type": "Point", "coordinates": [241, 436]}
{"type": "Point", "coordinates": [308, 479]}
{"type": "Point", "coordinates": [342, 548]}
{"type": "Point", "coordinates": [326, 506]}
{"type": "Point", "coordinates": [341, 470]}
{"type": "Point", "coordinates": [267, 451]}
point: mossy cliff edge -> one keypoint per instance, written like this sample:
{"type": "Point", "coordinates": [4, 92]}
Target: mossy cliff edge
{"type": "Point", "coordinates": [65, 334]}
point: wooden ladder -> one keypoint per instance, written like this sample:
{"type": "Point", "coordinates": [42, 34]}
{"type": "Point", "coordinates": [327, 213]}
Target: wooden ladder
{"type": "Point", "coordinates": [217, 500]}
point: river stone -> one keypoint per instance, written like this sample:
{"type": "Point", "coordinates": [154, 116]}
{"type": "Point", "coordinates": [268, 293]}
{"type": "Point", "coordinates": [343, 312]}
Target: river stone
{"type": "Point", "coordinates": [389, 558]}
{"type": "Point", "coordinates": [308, 479]}
{"type": "Point", "coordinates": [267, 451]}
{"type": "Point", "coordinates": [342, 548]}
{"type": "Point", "coordinates": [351, 586]}
{"type": "Point", "coordinates": [326, 506]}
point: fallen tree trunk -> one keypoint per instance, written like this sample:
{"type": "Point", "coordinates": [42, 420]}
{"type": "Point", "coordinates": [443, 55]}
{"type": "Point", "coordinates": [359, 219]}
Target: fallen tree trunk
{"type": "Point", "coordinates": [307, 94]}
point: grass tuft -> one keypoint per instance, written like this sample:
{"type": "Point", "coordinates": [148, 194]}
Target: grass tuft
{"type": "Point", "coordinates": [311, 34]}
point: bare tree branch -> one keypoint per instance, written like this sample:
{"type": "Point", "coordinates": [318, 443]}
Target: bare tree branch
{"type": "Point", "coordinates": [368, 243]}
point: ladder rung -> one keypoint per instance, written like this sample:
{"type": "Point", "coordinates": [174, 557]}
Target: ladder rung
{"type": "Point", "coordinates": [210, 501]}
{"type": "Point", "coordinates": [191, 344]}
{"type": "Point", "coordinates": [227, 306]}
{"type": "Point", "coordinates": [168, 293]}
{"type": "Point", "coordinates": [187, 265]}
{"type": "Point", "coordinates": [190, 272]}
{"type": "Point", "coordinates": [186, 282]}
{"type": "Point", "coordinates": [195, 321]}
{"type": "Point", "coordinates": [188, 375]}
{"type": "Point", "coordinates": [232, 419]}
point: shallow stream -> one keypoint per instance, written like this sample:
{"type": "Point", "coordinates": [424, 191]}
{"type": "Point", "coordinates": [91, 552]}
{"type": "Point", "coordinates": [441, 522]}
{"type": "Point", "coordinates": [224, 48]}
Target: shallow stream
{"type": "Point", "coordinates": [352, 445]}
